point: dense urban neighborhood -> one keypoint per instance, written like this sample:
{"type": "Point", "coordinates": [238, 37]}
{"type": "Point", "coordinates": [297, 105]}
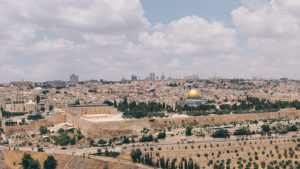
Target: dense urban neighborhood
{"type": "Point", "coordinates": [152, 123]}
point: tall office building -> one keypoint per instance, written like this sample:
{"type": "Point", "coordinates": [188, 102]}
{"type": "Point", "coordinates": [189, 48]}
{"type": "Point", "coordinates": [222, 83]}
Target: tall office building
{"type": "Point", "coordinates": [163, 77]}
{"type": "Point", "coordinates": [133, 78]}
{"type": "Point", "coordinates": [73, 79]}
{"type": "Point", "coordinates": [152, 77]}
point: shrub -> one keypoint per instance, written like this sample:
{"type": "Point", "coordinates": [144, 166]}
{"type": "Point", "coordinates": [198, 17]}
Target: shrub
{"type": "Point", "coordinates": [265, 128]}
{"type": "Point", "coordinates": [102, 142]}
{"type": "Point", "coordinates": [43, 130]}
{"type": "Point", "coordinates": [146, 138]}
{"type": "Point", "coordinates": [109, 103]}
{"type": "Point", "coordinates": [62, 140]}
{"type": "Point", "coordinates": [61, 130]}
{"type": "Point", "coordinates": [242, 131]}
{"type": "Point", "coordinates": [292, 128]}
{"type": "Point", "coordinates": [161, 135]}
{"type": "Point", "coordinates": [221, 133]}
{"type": "Point", "coordinates": [111, 154]}
{"type": "Point", "coordinates": [35, 117]}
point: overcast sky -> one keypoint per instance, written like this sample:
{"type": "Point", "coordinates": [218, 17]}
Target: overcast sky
{"type": "Point", "coordinates": [110, 39]}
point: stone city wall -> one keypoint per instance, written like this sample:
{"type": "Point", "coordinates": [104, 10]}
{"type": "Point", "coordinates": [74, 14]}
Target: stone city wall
{"type": "Point", "coordinates": [98, 110]}
{"type": "Point", "coordinates": [49, 121]}
{"type": "Point", "coordinates": [226, 118]}
{"type": "Point", "coordinates": [128, 127]}
{"type": "Point", "coordinates": [92, 110]}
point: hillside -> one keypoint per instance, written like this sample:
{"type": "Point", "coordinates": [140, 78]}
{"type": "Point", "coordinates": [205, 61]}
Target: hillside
{"type": "Point", "coordinates": [13, 158]}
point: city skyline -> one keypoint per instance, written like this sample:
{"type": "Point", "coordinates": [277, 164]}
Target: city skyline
{"type": "Point", "coordinates": [50, 40]}
{"type": "Point", "coordinates": [74, 79]}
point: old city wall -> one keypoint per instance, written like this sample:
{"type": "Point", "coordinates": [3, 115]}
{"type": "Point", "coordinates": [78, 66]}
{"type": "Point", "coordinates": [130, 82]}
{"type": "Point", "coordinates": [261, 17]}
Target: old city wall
{"type": "Point", "coordinates": [215, 119]}
{"type": "Point", "coordinates": [55, 119]}
{"type": "Point", "coordinates": [99, 110]}
{"type": "Point", "coordinates": [128, 127]}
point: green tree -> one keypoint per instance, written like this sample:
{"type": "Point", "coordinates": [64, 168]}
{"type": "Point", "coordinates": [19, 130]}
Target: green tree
{"type": "Point", "coordinates": [50, 163]}
{"type": "Point", "coordinates": [242, 131]}
{"type": "Point", "coordinates": [221, 133]}
{"type": "Point", "coordinates": [73, 141]}
{"type": "Point", "coordinates": [29, 163]}
{"type": "Point", "coordinates": [50, 108]}
{"type": "Point", "coordinates": [61, 131]}
{"type": "Point", "coordinates": [115, 103]}
{"type": "Point", "coordinates": [37, 98]}
{"type": "Point", "coordinates": [161, 135]}
{"type": "Point", "coordinates": [45, 91]}
{"type": "Point", "coordinates": [26, 159]}
{"type": "Point", "coordinates": [265, 128]}
{"type": "Point", "coordinates": [218, 166]}
{"type": "Point", "coordinates": [188, 130]}
{"type": "Point", "coordinates": [263, 164]}
{"type": "Point", "coordinates": [43, 130]}
{"type": "Point", "coordinates": [136, 155]}
{"type": "Point", "coordinates": [292, 128]}
{"type": "Point", "coordinates": [91, 141]}
{"type": "Point", "coordinates": [109, 103]}
{"type": "Point", "coordinates": [34, 164]}
{"type": "Point", "coordinates": [102, 142]}
{"type": "Point", "coordinates": [63, 139]}
{"type": "Point", "coordinates": [225, 107]}
{"type": "Point", "coordinates": [146, 138]}
{"type": "Point", "coordinates": [126, 140]}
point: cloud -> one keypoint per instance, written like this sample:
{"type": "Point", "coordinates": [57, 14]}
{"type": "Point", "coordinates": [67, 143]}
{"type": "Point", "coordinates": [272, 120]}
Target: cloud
{"type": "Point", "coordinates": [110, 39]}
{"type": "Point", "coordinates": [186, 45]}
{"type": "Point", "coordinates": [94, 16]}
{"type": "Point", "coordinates": [190, 35]}
{"type": "Point", "coordinates": [83, 30]}
{"type": "Point", "coordinates": [268, 22]}
{"type": "Point", "coordinates": [272, 35]}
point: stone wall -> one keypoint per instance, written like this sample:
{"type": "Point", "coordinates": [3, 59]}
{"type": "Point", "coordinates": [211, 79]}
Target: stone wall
{"type": "Point", "coordinates": [226, 118]}
{"type": "Point", "coordinates": [92, 110]}
{"type": "Point", "coordinates": [98, 110]}
{"type": "Point", "coordinates": [128, 127]}
{"type": "Point", "coordinates": [55, 119]}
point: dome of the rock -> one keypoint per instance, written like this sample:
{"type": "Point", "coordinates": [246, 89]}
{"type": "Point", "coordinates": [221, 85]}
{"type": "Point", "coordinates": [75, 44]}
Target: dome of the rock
{"type": "Point", "coordinates": [193, 94]}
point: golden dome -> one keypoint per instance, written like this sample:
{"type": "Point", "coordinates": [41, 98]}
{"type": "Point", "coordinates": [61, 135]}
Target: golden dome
{"type": "Point", "coordinates": [193, 94]}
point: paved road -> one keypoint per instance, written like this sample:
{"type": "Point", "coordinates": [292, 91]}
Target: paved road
{"type": "Point", "coordinates": [215, 141]}
{"type": "Point", "coordinates": [140, 145]}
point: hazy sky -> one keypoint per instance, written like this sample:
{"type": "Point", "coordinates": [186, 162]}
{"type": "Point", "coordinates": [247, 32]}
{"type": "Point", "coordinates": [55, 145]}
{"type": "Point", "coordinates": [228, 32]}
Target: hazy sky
{"type": "Point", "coordinates": [111, 39]}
